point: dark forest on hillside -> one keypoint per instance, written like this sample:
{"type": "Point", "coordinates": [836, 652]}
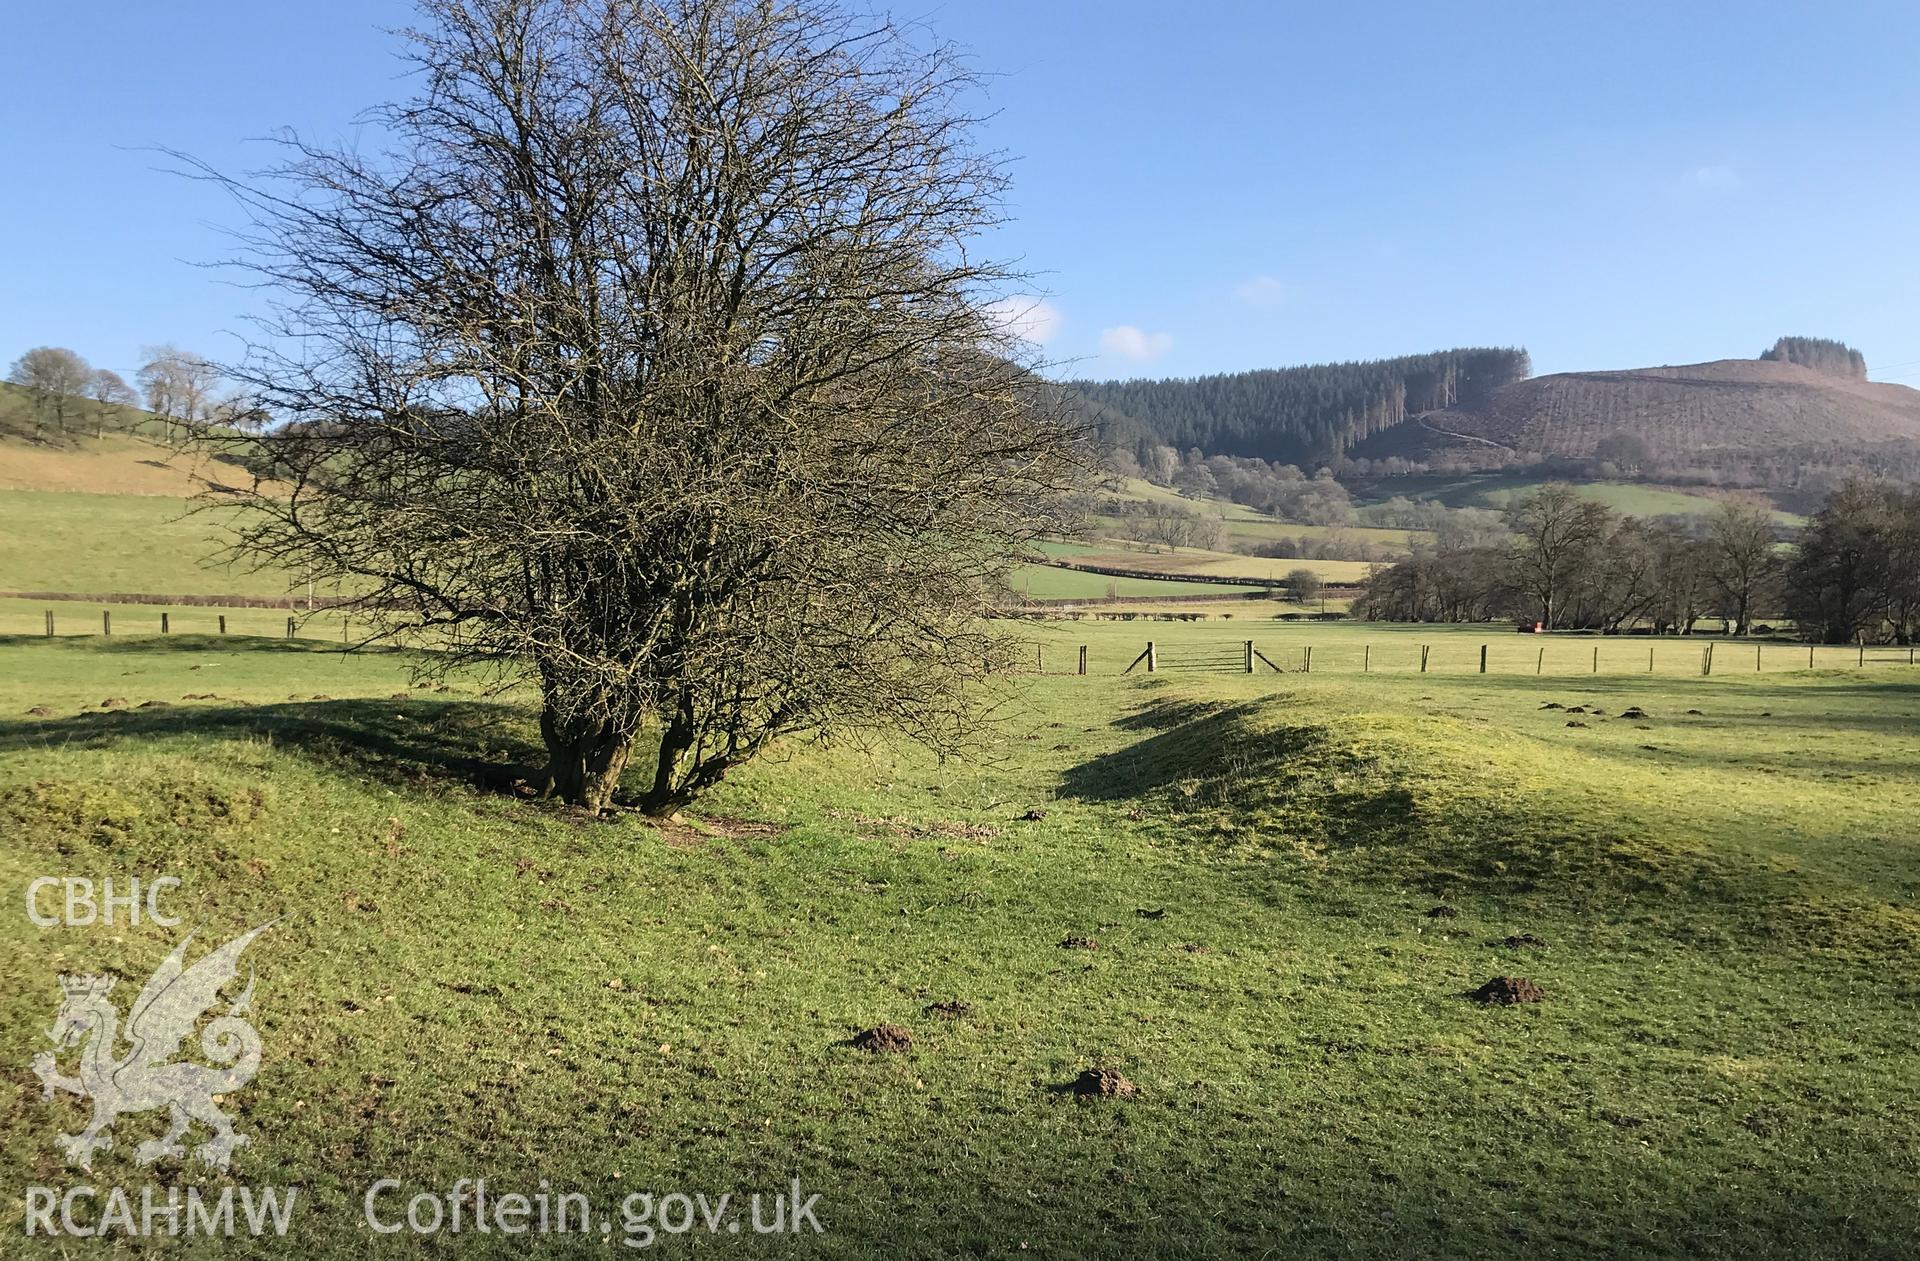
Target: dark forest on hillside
{"type": "Point", "coordinates": [1822, 354]}
{"type": "Point", "coordinates": [1304, 415]}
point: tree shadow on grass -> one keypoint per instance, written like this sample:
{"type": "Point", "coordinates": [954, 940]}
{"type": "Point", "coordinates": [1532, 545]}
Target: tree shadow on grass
{"type": "Point", "coordinates": [142, 643]}
{"type": "Point", "coordinates": [486, 745]}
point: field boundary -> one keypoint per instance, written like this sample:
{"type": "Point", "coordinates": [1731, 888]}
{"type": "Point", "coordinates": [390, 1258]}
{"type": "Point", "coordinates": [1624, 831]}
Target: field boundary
{"type": "Point", "coordinates": [1112, 571]}
{"type": "Point", "coordinates": [292, 603]}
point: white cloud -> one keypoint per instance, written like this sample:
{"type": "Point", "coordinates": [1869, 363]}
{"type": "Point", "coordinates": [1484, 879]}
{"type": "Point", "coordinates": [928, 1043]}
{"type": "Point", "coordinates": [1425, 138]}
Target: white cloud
{"type": "Point", "coordinates": [1264, 291]}
{"type": "Point", "coordinates": [1033, 319]}
{"type": "Point", "coordinates": [1718, 175]}
{"type": "Point", "coordinates": [1129, 342]}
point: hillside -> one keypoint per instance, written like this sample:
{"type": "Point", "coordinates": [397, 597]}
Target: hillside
{"type": "Point", "coordinates": [1796, 420]}
{"type": "Point", "coordinates": [1689, 414]}
{"type": "Point", "coordinates": [1300, 415]}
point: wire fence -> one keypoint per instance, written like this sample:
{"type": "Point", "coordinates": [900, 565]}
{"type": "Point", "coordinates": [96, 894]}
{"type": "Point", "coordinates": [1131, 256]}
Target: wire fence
{"type": "Point", "coordinates": [1454, 655]}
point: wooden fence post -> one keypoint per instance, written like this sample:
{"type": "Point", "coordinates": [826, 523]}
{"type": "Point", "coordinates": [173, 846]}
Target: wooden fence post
{"type": "Point", "coordinates": [289, 628]}
{"type": "Point", "coordinates": [1150, 657]}
{"type": "Point", "coordinates": [1540, 661]}
{"type": "Point", "coordinates": [106, 621]}
{"type": "Point", "coordinates": [1248, 646]}
{"type": "Point", "coordinates": [1083, 658]}
{"type": "Point", "coordinates": [1483, 658]}
{"type": "Point", "coordinates": [1423, 658]}
{"type": "Point", "coordinates": [1308, 661]}
{"type": "Point", "coordinates": [1366, 658]}
{"type": "Point", "coordinates": [164, 626]}
{"type": "Point", "coordinates": [49, 623]}
{"type": "Point", "coordinates": [1649, 658]}
{"type": "Point", "coordinates": [1756, 658]}
{"type": "Point", "coordinates": [1863, 654]}
{"type": "Point", "coordinates": [1596, 658]}
{"type": "Point", "coordinates": [1809, 656]}
{"type": "Point", "coordinates": [223, 623]}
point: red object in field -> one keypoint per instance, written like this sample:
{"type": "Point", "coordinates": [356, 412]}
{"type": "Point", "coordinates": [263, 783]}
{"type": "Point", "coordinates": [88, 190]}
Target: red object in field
{"type": "Point", "coordinates": [1531, 628]}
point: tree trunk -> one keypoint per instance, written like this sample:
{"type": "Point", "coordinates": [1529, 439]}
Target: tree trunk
{"type": "Point", "coordinates": [675, 739]}
{"type": "Point", "coordinates": [583, 766]}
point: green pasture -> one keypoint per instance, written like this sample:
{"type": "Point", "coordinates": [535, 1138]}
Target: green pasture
{"type": "Point", "coordinates": [106, 544]}
{"type": "Point", "coordinates": [1718, 899]}
{"type": "Point", "coordinates": [1498, 490]}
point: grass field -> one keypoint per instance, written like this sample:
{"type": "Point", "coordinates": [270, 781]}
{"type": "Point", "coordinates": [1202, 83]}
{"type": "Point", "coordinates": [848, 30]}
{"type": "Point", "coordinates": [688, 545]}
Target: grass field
{"type": "Point", "coordinates": [118, 464]}
{"type": "Point", "coordinates": [1495, 490]}
{"type": "Point", "coordinates": [150, 544]}
{"type": "Point", "coordinates": [463, 982]}
{"type": "Point", "coordinates": [1247, 527]}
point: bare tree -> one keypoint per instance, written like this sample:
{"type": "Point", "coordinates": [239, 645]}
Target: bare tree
{"type": "Point", "coordinates": [178, 385]}
{"type": "Point", "coordinates": [1740, 558]}
{"type": "Point", "coordinates": [57, 378]}
{"type": "Point", "coordinates": [1678, 584]}
{"type": "Point", "coordinates": [109, 391]}
{"type": "Point", "coordinates": [1626, 586]}
{"type": "Point", "coordinates": [238, 410]}
{"type": "Point", "coordinates": [1302, 585]}
{"type": "Point", "coordinates": [1557, 536]}
{"type": "Point", "coordinates": [654, 364]}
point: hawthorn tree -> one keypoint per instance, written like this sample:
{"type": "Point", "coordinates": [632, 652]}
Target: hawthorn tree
{"type": "Point", "coordinates": [654, 361]}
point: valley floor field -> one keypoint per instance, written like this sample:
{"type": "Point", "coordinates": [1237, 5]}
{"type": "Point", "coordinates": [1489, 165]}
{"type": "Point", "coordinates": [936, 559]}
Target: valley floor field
{"type": "Point", "coordinates": [1720, 906]}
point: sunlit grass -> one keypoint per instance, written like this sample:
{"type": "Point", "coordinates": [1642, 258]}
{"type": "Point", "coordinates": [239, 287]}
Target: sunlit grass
{"type": "Point", "coordinates": [466, 981]}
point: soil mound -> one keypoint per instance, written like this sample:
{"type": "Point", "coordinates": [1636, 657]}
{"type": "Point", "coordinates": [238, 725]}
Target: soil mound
{"type": "Point", "coordinates": [1506, 990]}
{"type": "Point", "coordinates": [883, 1038]}
{"type": "Point", "coordinates": [1103, 1083]}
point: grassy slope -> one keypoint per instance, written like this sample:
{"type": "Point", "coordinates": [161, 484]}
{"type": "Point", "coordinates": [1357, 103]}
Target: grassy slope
{"type": "Point", "coordinates": [111, 514]}
{"type": "Point", "coordinates": [1245, 526]}
{"type": "Point", "coordinates": [1496, 490]}
{"type": "Point", "coordinates": [463, 983]}
{"type": "Point", "coordinates": [59, 541]}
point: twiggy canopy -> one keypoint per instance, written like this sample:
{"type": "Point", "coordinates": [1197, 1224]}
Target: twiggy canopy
{"type": "Point", "coordinates": [651, 360]}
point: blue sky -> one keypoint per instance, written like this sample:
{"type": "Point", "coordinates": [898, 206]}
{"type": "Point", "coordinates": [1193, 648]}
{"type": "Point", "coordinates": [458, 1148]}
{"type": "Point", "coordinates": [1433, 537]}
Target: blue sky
{"type": "Point", "coordinates": [1202, 187]}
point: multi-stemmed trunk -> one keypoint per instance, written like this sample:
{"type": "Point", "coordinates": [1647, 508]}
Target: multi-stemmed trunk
{"type": "Point", "coordinates": [584, 761]}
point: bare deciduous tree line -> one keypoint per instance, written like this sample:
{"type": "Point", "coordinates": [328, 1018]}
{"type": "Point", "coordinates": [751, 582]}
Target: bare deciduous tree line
{"type": "Point", "coordinates": [1568, 562]}
{"type": "Point", "coordinates": [181, 389]}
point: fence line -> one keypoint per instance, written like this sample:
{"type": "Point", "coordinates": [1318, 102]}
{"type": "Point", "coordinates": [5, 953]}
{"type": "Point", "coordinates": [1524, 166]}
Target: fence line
{"type": "Point", "coordinates": [1683, 658]}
